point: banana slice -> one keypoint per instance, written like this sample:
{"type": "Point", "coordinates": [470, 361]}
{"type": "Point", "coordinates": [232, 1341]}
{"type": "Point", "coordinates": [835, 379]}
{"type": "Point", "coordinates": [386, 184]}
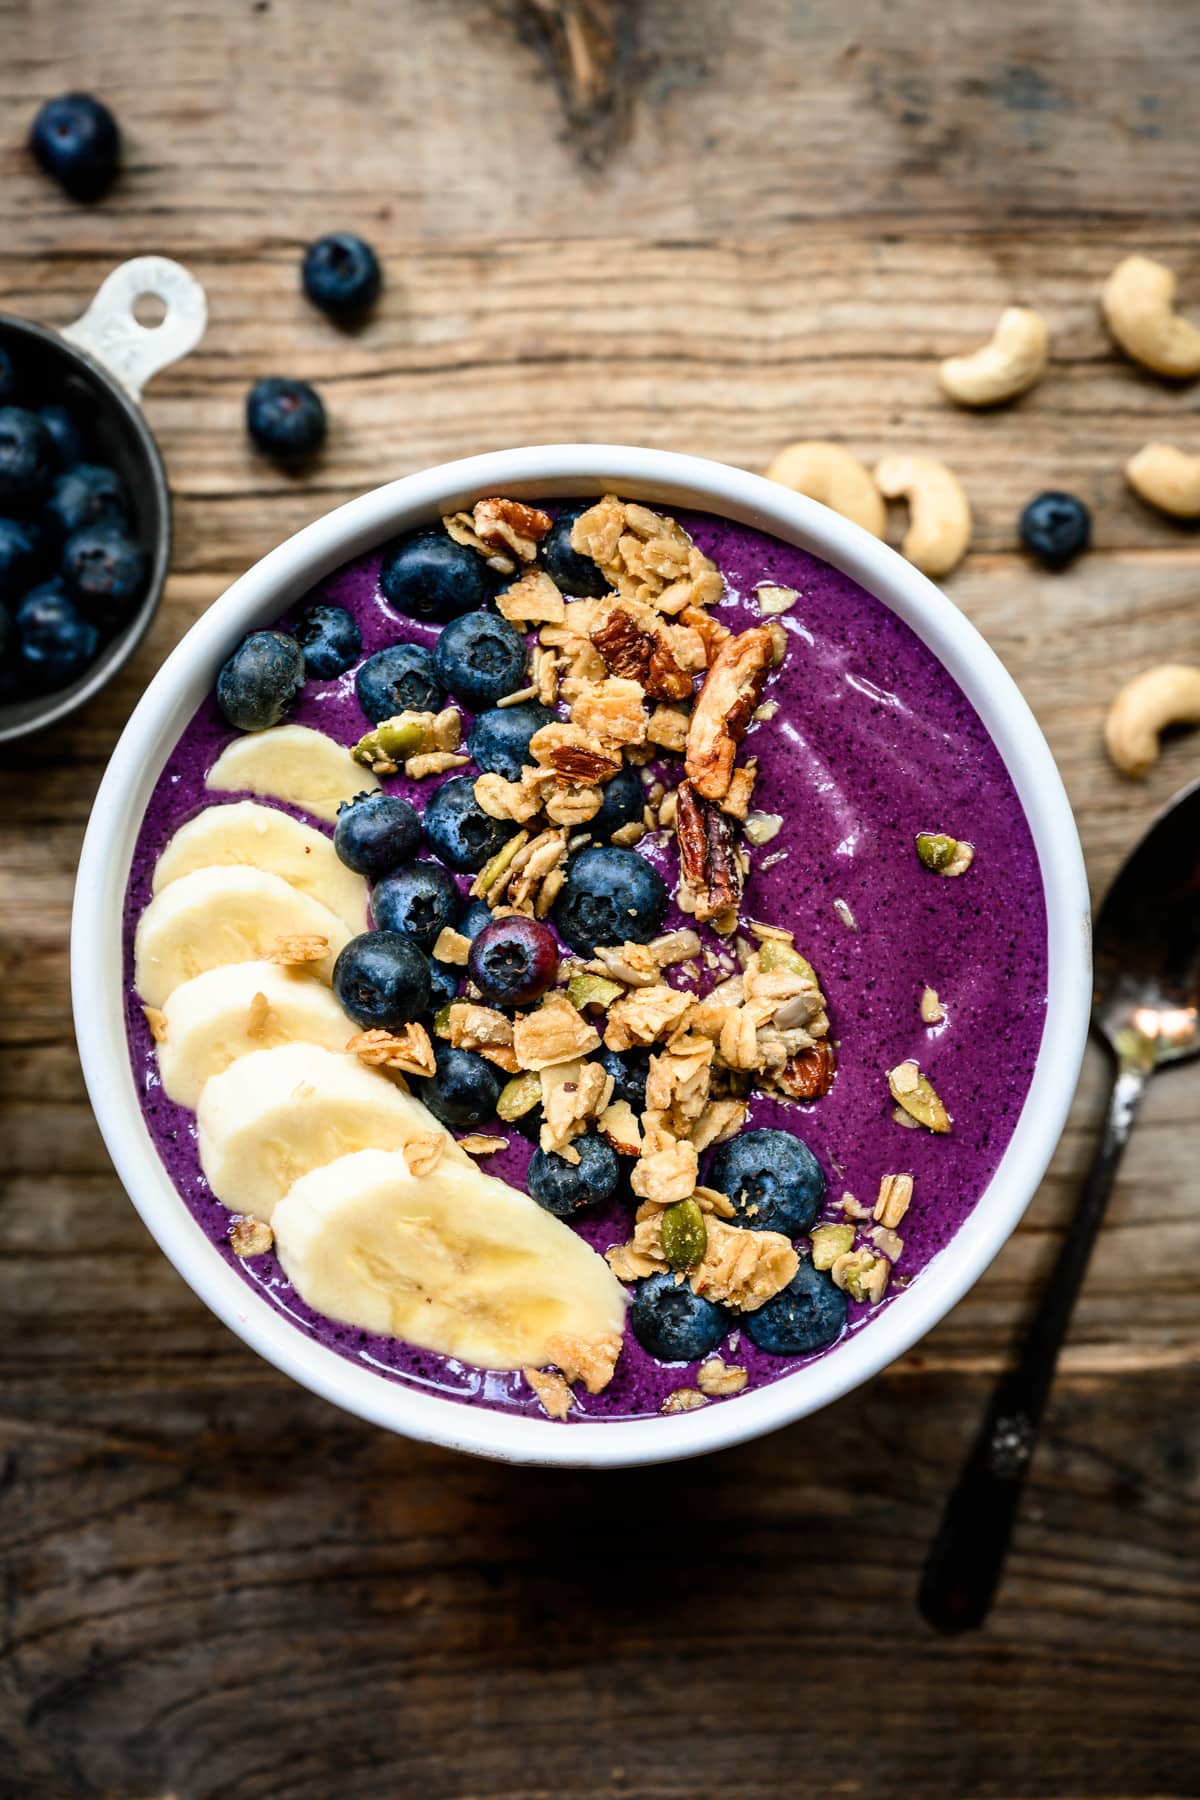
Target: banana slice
{"type": "Point", "coordinates": [225, 915]}
{"type": "Point", "coordinates": [261, 838]}
{"type": "Point", "coordinates": [234, 1010]}
{"type": "Point", "coordinates": [454, 1260]}
{"type": "Point", "coordinates": [274, 1115]}
{"type": "Point", "coordinates": [291, 763]}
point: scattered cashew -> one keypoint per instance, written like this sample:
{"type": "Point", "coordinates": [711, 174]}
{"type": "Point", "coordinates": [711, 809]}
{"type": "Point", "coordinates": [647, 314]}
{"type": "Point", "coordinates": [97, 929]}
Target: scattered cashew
{"type": "Point", "coordinates": [1167, 478]}
{"type": "Point", "coordinates": [1138, 301]}
{"type": "Point", "coordinates": [1145, 706]}
{"type": "Point", "coordinates": [940, 525]}
{"type": "Point", "coordinates": [1009, 364]}
{"type": "Point", "coordinates": [828, 473]}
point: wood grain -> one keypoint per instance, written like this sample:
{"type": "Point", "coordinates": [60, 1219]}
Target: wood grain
{"type": "Point", "coordinates": [710, 227]}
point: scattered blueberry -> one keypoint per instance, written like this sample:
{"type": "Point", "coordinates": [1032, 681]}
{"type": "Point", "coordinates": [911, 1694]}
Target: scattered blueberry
{"type": "Point", "coordinates": [375, 833]}
{"type": "Point", "coordinates": [28, 459]}
{"type": "Point", "coordinates": [513, 961]}
{"type": "Point", "coordinates": [330, 640]}
{"type": "Point", "coordinates": [75, 139]}
{"type": "Point", "coordinates": [398, 679]}
{"type": "Point", "coordinates": [575, 574]}
{"type": "Point", "coordinates": [477, 915]}
{"type": "Point", "coordinates": [499, 740]}
{"type": "Point", "coordinates": [57, 643]}
{"type": "Point", "coordinates": [565, 1188]}
{"type": "Point", "coordinates": [105, 571]}
{"type": "Point", "coordinates": [610, 897]}
{"type": "Point", "coordinates": [258, 685]}
{"type": "Point", "coordinates": [426, 575]}
{"type": "Point", "coordinates": [382, 980]}
{"type": "Point", "coordinates": [480, 658]}
{"type": "Point", "coordinates": [773, 1179]}
{"type": "Point", "coordinates": [624, 801]}
{"type": "Point", "coordinates": [629, 1070]}
{"type": "Point", "coordinates": [64, 428]}
{"type": "Point", "coordinates": [674, 1324]}
{"type": "Point", "coordinates": [420, 900]}
{"type": "Point", "coordinates": [459, 831]}
{"type": "Point", "coordinates": [465, 1089]}
{"type": "Point", "coordinates": [20, 557]}
{"type": "Point", "coordinates": [88, 494]}
{"type": "Point", "coordinates": [1055, 528]}
{"type": "Point", "coordinates": [443, 983]}
{"type": "Point", "coordinates": [341, 274]}
{"type": "Point", "coordinates": [285, 418]}
{"type": "Point", "coordinates": [8, 378]}
{"type": "Point", "coordinates": [807, 1314]}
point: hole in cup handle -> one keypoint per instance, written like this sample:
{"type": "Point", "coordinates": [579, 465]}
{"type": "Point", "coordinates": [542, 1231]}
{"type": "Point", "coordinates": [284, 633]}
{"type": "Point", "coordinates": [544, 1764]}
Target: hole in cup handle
{"type": "Point", "coordinates": [130, 351]}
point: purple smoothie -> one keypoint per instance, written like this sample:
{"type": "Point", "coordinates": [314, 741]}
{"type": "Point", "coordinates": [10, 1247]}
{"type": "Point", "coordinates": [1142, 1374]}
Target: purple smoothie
{"type": "Point", "coordinates": [873, 742]}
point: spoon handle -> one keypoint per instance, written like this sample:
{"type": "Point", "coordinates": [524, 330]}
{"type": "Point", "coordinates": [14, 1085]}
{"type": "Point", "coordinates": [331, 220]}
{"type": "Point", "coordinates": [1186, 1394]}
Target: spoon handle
{"type": "Point", "coordinates": [967, 1556]}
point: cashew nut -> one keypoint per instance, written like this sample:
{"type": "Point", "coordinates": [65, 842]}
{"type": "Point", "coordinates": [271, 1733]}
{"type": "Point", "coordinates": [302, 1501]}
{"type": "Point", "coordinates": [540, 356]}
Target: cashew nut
{"type": "Point", "coordinates": [828, 473]}
{"type": "Point", "coordinates": [940, 522]}
{"type": "Point", "coordinates": [1009, 364]}
{"type": "Point", "coordinates": [1168, 478]}
{"type": "Point", "coordinates": [1145, 706]}
{"type": "Point", "coordinates": [1138, 301]}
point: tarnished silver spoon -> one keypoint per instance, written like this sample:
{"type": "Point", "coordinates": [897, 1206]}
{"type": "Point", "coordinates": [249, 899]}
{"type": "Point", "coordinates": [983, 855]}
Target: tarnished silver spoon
{"type": "Point", "coordinates": [1146, 1007]}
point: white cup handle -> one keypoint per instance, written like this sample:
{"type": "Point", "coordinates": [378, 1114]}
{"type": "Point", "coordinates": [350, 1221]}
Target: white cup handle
{"type": "Point", "coordinates": [130, 351]}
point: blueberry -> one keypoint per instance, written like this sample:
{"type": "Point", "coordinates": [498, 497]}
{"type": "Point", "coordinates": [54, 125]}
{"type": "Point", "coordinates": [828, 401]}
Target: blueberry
{"type": "Point", "coordinates": [565, 1188]}
{"type": "Point", "coordinates": [20, 557]}
{"type": "Point", "coordinates": [477, 915]}
{"type": "Point", "coordinates": [459, 831]}
{"type": "Point", "coordinates": [629, 1070]}
{"type": "Point", "coordinates": [8, 378]}
{"type": "Point", "coordinates": [330, 640]}
{"type": "Point", "coordinates": [285, 418]}
{"type": "Point", "coordinates": [465, 1089]}
{"type": "Point", "coordinates": [773, 1179]}
{"type": "Point", "coordinates": [28, 459]}
{"type": "Point", "coordinates": [426, 575]}
{"type": "Point", "coordinates": [57, 643]}
{"type": "Point", "coordinates": [341, 274]}
{"type": "Point", "coordinates": [513, 961]}
{"type": "Point", "coordinates": [624, 800]}
{"type": "Point", "coordinates": [499, 739]}
{"type": "Point", "coordinates": [106, 572]}
{"type": "Point", "coordinates": [88, 494]}
{"type": "Point", "coordinates": [75, 139]}
{"type": "Point", "coordinates": [375, 833]}
{"type": "Point", "coordinates": [575, 574]}
{"type": "Point", "coordinates": [382, 980]}
{"type": "Point", "coordinates": [419, 900]}
{"type": "Point", "coordinates": [398, 679]}
{"type": "Point", "coordinates": [610, 897]}
{"type": "Point", "coordinates": [443, 983]}
{"type": "Point", "coordinates": [1055, 528]}
{"type": "Point", "coordinates": [674, 1324]}
{"type": "Point", "coordinates": [65, 429]}
{"type": "Point", "coordinates": [807, 1314]}
{"type": "Point", "coordinates": [480, 658]}
{"type": "Point", "coordinates": [259, 684]}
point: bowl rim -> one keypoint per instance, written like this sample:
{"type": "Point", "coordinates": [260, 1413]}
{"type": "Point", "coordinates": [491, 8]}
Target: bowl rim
{"type": "Point", "coordinates": [61, 702]}
{"type": "Point", "coordinates": [267, 589]}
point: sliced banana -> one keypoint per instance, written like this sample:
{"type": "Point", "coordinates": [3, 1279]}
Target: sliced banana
{"type": "Point", "coordinates": [274, 1115]}
{"type": "Point", "coordinates": [225, 915]}
{"type": "Point", "coordinates": [293, 763]}
{"type": "Point", "coordinates": [259, 837]}
{"type": "Point", "coordinates": [454, 1261]}
{"type": "Point", "coordinates": [236, 1009]}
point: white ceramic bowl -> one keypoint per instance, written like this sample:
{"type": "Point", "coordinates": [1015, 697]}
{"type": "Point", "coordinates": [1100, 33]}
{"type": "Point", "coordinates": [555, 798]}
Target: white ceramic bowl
{"type": "Point", "coordinates": [283, 577]}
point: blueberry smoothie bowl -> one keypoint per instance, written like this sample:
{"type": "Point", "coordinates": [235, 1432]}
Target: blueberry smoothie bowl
{"type": "Point", "coordinates": [588, 938]}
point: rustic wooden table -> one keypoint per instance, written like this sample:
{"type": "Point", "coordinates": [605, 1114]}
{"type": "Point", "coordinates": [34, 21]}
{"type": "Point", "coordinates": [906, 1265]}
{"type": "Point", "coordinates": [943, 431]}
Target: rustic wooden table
{"type": "Point", "coordinates": [712, 226]}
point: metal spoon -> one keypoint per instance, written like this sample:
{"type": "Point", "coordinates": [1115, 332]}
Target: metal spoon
{"type": "Point", "coordinates": [1146, 1007]}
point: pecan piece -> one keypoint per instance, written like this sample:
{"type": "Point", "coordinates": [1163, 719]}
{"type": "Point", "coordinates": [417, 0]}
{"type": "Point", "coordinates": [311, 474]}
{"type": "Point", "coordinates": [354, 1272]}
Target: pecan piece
{"type": "Point", "coordinates": [706, 853]}
{"type": "Point", "coordinates": [511, 525]}
{"type": "Point", "coordinates": [641, 653]}
{"type": "Point", "coordinates": [573, 753]}
{"type": "Point", "coordinates": [808, 1074]}
{"type": "Point", "coordinates": [725, 705]}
